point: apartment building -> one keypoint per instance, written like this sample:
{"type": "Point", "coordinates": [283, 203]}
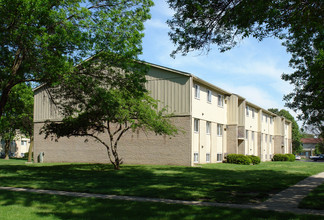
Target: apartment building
{"type": "Point", "coordinates": [214, 122]}
{"type": "Point", "coordinates": [18, 147]}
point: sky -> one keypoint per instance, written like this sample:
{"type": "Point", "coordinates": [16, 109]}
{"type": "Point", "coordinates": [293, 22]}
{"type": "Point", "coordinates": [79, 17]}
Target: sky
{"type": "Point", "coordinates": [252, 69]}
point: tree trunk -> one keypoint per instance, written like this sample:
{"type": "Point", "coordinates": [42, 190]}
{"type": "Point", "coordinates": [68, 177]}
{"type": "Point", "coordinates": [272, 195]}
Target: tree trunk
{"type": "Point", "coordinates": [30, 150]}
{"type": "Point", "coordinates": [7, 149]}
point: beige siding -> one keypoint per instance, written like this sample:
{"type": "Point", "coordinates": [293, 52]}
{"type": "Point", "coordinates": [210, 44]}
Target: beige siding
{"type": "Point", "coordinates": [171, 89]}
{"type": "Point", "coordinates": [44, 109]}
{"type": "Point", "coordinates": [232, 112]}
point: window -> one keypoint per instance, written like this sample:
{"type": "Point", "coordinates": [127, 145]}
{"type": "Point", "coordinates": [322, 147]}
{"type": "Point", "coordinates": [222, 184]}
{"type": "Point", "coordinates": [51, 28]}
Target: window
{"type": "Point", "coordinates": [252, 112]}
{"type": "Point", "coordinates": [196, 125]}
{"type": "Point", "coordinates": [266, 118]}
{"type": "Point", "coordinates": [24, 143]}
{"type": "Point", "coordinates": [247, 111]}
{"type": "Point", "coordinates": [266, 138]}
{"type": "Point", "coordinates": [219, 129]}
{"type": "Point", "coordinates": [207, 127]}
{"type": "Point", "coordinates": [195, 157]}
{"type": "Point", "coordinates": [220, 100]}
{"type": "Point", "coordinates": [261, 137]}
{"type": "Point", "coordinates": [252, 135]}
{"type": "Point", "coordinates": [197, 91]}
{"type": "Point", "coordinates": [270, 139]}
{"type": "Point", "coordinates": [219, 157]}
{"type": "Point", "coordinates": [207, 157]}
{"type": "Point", "coordinates": [247, 134]}
{"type": "Point", "coordinates": [270, 120]}
{"type": "Point", "coordinates": [209, 96]}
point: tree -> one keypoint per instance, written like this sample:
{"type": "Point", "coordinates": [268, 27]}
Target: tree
{"type": "Point", "coordinates": [198, 24]}
{"type": "Point", "coordinates": [296, 135]}
{"type": "Point", "coordinates": [43, 41]}
{"type": "Point", "coordinates": [18, 115]}
{"type": "Point", "coordinates": [111, 107]}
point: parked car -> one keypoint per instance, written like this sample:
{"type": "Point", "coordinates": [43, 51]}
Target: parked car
{"type": "Point", "coordinates": [297, 157]}
{"type": "Point", "coordinates": [317, 157]}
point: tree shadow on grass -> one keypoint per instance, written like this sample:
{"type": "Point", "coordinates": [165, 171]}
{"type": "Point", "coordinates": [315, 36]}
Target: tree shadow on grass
{"type": "Point", "coordinates": [39, 206]}
{"type": "Point", "coordinates": [172, 182]}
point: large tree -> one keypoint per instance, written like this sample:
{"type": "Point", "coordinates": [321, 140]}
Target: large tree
{"type": "Point", "coordinates": [300, 24]}
{"type": "Point", "coordinates": [104, 109]}
{"type": "Point", "coordinates": [18, 115]}
{"type": "Point", "coordinates": [296, 134]}
{"type": "Point", "coordinates": [44, 40]}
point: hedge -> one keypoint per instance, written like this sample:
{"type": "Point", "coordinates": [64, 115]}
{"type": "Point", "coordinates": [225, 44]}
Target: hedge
{"type": "Point", "coordinates": [284, 157]}
{"type": "Point", "coordinates": [238, 159]}
{"type": "Point", "coordinates": [254, 159]}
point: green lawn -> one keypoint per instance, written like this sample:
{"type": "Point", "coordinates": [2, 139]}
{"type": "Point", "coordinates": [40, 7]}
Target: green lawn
{"type": "Point", "coordinates": [228, 183]}
{"type": "Point", "coordinates": [315, 200]}
{"type": "Point", "coordinates": [30, 206]}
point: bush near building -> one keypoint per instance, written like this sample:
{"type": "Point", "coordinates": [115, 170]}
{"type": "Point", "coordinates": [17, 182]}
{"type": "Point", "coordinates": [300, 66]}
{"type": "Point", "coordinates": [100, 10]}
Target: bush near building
{"type": "Point", "coordinates": [284, 157]}
{"type": "Point", "coordinates": [255, 159]}
{"type": "Point", "coordinates": [242, 159]}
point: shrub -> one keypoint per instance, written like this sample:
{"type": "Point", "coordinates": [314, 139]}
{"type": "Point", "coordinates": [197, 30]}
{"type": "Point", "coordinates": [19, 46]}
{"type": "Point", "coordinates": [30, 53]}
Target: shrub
{"type": "Point", "coordinates": [254, 159]}
{"type": "Point", "coordinates": [238, 159]}
{"type": "Point", "coordinates": [291, 157]}
{"type": "Point", "coordinates": [280, 157]}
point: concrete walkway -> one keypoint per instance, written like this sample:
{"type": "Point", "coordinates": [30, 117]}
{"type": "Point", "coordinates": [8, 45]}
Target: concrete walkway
{"type": "Point", "coordinates": [285, 201]}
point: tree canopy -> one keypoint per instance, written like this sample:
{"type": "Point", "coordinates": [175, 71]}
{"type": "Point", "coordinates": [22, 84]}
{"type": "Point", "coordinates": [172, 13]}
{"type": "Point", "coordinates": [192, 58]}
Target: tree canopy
{"type": "Point", "coordinates": [300, 24]}
{"type": "Point", "coordinates": [296, 135]}
{"type": "Point", "coordinates": [119, 103]}
{"type": "Point", "coordinates": [18, 115]}
{"type": "Point", "coordinates": [44, 40]}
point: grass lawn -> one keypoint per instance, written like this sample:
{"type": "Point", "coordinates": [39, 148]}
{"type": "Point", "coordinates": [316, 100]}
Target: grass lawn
{"type": "Point", "coordinates": [19, 205]}
{"type": "Point", "coordinates": [228, 183]}
{"type": "Point", "coordinates": [315, 200]}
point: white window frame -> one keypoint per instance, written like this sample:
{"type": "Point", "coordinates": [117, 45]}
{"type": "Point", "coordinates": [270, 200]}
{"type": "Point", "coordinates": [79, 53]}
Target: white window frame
{"type": "Point", "coordinates": [252, 112]}
{"type": "Point", "coordinates": [196, 125]}
{"type": "Point", "coordinates": [270, 141]}
{"type": "Point", "coordinates": [247, 134]}
{"type": "Point", "coordinates": [271, 120]}
{"type": "Point", "coordinates": [207, 157]}
{"type": "Point", "coordinates": [252, 135]}
{"type": "Point", "coordinates": [196, 158]}
{"type": "Point", "coordinates": [220, 101]}
{"type": "Point", "coordinates": [197, 91]}
{"type": "Point", "coordinates": [219, 157]}
{"type": "Point", "coordinates": [208, 127]}
{"type": "Point", "coordinates": [247, 111]}
{"type": "Point", "coordinates": [219, 130]}
{"type": "Point", "coordinates": [209, 96]}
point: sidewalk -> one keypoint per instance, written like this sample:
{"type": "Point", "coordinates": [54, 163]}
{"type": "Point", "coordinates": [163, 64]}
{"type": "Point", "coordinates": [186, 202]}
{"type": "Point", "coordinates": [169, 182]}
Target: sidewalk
{"type": "Point", "coordinates": [285, 201]}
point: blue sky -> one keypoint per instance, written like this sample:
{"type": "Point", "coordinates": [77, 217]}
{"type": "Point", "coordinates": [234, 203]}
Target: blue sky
{"type": "Point", "coordinates": [252, 69]}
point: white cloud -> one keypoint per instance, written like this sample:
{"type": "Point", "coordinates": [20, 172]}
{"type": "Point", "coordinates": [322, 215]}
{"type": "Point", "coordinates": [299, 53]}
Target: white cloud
{"type": "Point", "coordinates": [156, 23]}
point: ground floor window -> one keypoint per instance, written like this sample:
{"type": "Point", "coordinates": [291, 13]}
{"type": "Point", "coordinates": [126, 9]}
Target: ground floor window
{"type": "Point", "coordinates": [219, 157]}
{"type": "Point", "coordinates": [195, 157]}
{"type": "Point", "coordinates": [207, 157]}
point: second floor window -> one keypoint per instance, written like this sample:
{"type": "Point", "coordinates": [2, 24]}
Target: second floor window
{"type": "Point", "coordinates": [220, 100]}
{"type": "Point", "coordinates": [247, 110]}
{"type": "Point", "coordinates": [197, 91]}
{"type": "Point", "coordinates": [209, 96]}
